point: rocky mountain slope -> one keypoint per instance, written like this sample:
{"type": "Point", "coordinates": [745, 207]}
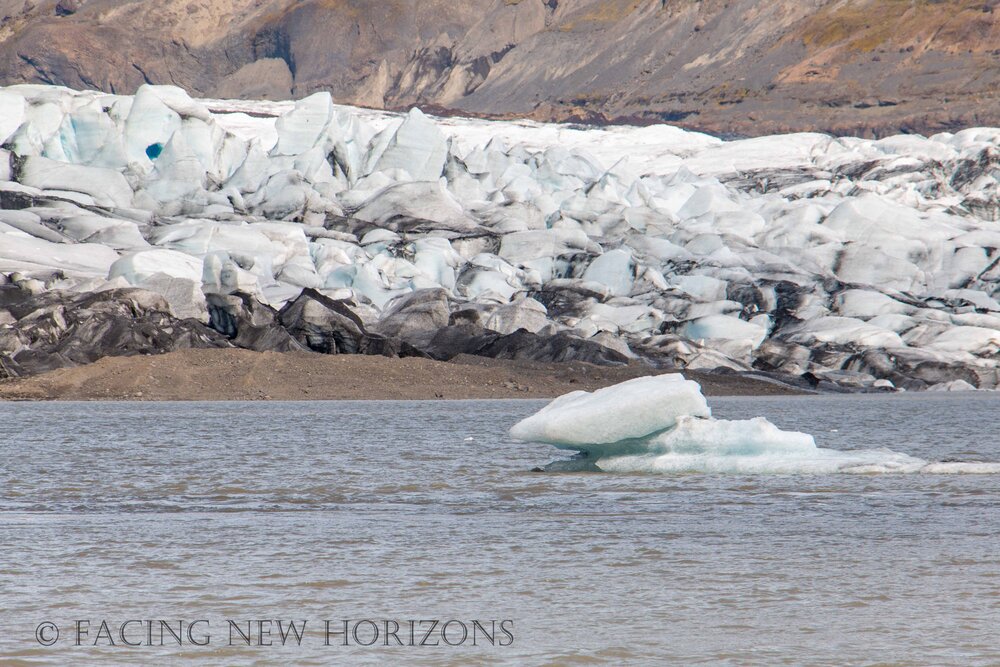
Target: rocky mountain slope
{"type": "Point", "coordinates": [739, 66]}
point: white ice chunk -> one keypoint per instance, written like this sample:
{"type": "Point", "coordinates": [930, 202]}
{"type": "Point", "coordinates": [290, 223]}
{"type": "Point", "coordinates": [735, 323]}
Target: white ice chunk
{"type": "Point", "coordinates": [954, 385]}
{"type": "Point", "coordinates": [725, 327]}
{"type": "Point", "coordinates": [754, 446]}
{"type": "Point", "coordinates": [616, 269]}
{"type": "Point", "coordinates": [92, 138]}
{"type": "Point", "coordinates": [149, 126]}
{"type": "Point", "coordinates": [704, 288]}
{"type": "Point", "coordinates": [663, 425]}
{"type": "Point", "coordinates": [844, 331]}
{"type": "Point", "coordinates": [185, 296]}
{"type": "Point", "coordinates": [19, 252]}
{"type": "Point", "coordinates": [118, 234]}
{"type": "Point", "coordinates": [632, 409]}
{"type": "Point", "coordinates": [418, 147]}
{"type": "Point", "coordinates": [106, 186]}
{"type": "Point", "coordinates": [12, 109]}
{"type": "Point", "coordinates": [521, 247]}
{"type": "Point", "coordinates": [137, 267]}
{"type": "Point", "coordinates": [526, 313]}
{"type": "Point", "coordinates": [977, 340]}
{"type": "Point", "coordinates": [426, 201]}
{"type": "Point", "coordinates": [868, 303]}
{"type": "Point", "coordinates": [304, 126]}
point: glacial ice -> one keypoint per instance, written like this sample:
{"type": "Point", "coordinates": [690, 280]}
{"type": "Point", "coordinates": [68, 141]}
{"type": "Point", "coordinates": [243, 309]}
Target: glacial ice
{"type": "Point", "coordinates": [849, 259]}
{"type": "Point", "coordinates": [136, 267]}
{"type": "Point", "coordinates": [630, 410]}
{"type": "Point", "coordinates": [108, 187]}
{"type": "Point", "coordinates": [662, 424]}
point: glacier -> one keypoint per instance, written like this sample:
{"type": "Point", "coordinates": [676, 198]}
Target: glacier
{"type": "Point", "coordinates": [663, 424]}
{"type": "Point", "coordinates": [835, 262]}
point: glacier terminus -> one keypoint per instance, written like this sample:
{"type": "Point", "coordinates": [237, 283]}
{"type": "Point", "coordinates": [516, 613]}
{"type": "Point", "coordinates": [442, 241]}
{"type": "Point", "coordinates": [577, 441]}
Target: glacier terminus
{"type": "Point", "coordinates": [153, 222]}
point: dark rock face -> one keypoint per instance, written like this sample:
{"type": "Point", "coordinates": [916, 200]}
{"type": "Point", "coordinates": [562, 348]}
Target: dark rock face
{"type": "Point", "coordinates": [790, 64]}
{"type": "Point", "coordinates": [57, 329]}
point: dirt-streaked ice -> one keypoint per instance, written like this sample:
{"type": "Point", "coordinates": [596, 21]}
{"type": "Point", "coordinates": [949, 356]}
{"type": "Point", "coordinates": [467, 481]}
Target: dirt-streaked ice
{"type": "Point", "coordinates": [867, 263]}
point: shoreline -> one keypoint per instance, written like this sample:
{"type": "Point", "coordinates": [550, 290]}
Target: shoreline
{"type": "Point", "coordinates": [243, 375]}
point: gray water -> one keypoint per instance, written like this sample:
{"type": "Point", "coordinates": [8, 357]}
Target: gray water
{"type": "Point", "coordinates": [402, 510]}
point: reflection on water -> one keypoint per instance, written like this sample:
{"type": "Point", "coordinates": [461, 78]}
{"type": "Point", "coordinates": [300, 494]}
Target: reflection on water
{"type": "Point", "coordinates": [397, 511]}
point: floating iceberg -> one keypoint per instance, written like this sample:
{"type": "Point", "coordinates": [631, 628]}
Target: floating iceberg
{"type": "Point", "coordinates": [662, 424]}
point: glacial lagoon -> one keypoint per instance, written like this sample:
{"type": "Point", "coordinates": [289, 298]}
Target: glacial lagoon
{"type": "Point", "coordinates": [397, 511]}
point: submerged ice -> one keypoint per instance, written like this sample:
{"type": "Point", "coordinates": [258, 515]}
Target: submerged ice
{"type": "Point", "coordinates": [662, 424]}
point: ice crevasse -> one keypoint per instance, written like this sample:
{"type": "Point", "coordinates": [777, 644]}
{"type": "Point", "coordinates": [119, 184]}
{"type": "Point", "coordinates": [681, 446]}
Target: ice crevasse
{"type": "Point", "coordinates": [663, 424]}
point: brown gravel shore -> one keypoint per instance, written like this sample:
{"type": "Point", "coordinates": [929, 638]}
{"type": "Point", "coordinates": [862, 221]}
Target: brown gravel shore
{"type": "Point", "coordinates": [239, 375]}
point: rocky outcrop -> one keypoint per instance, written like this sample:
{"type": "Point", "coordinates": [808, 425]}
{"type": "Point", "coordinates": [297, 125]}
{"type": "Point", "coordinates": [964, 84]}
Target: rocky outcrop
{"type": "Point", "coordinates": [728, 66]}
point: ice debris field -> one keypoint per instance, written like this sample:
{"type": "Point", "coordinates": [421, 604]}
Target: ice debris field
{"type": "Point", "coordinates": [662, 424]}
{"type": "Point", "coordinates": [868, 264]}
